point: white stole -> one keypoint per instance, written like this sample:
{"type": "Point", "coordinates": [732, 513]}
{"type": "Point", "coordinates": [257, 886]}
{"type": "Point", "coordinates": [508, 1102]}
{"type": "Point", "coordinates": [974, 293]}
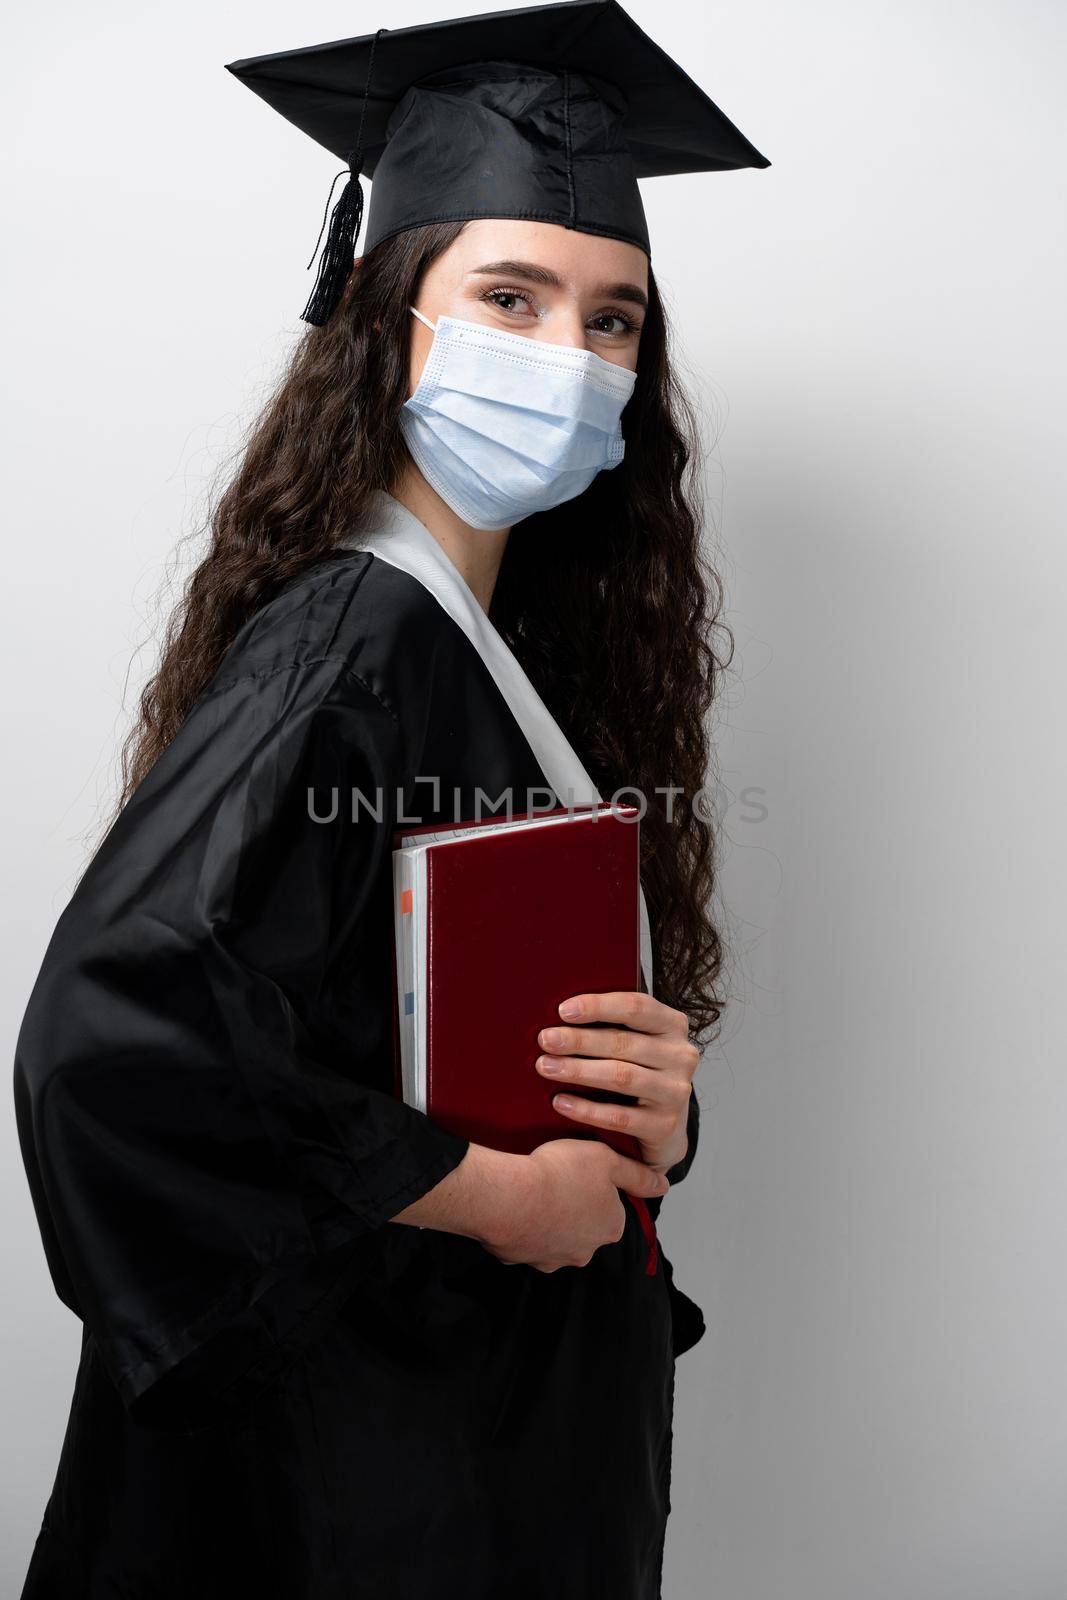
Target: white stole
{"type": "Point", "coordinates": [395, 535]}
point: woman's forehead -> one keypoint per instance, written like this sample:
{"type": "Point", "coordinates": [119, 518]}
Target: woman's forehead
{"type": "Point", "coordinates": [579, 260]}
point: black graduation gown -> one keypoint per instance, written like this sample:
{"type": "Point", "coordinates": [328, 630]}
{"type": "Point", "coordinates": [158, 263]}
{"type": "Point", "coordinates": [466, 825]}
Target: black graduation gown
{"type": "Point", "coordinates": [279, 1392]}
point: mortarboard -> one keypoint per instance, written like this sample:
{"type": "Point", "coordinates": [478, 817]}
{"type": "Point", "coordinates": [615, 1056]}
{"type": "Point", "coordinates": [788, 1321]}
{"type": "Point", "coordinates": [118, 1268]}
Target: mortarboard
{"type": "Point", "coordinates": [547, 112]}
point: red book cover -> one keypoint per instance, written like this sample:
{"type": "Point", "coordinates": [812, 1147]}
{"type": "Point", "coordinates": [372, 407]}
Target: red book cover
{"type": "Point", "coordinates": [513, 922]}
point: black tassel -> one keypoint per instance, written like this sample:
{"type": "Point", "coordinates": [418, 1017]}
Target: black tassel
{"type": "Point", "coordinates": [338, 255]}
{"type": "Point", "coordinates": [335, 263]}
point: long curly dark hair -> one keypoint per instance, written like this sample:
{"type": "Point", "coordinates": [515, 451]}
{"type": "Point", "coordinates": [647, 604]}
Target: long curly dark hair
{"type": "Point", "coordinates": [607, 600]}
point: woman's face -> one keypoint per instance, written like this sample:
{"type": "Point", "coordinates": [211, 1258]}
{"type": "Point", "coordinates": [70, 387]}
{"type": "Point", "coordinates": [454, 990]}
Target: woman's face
{"type": "Point", "coordinates": [539, 280]}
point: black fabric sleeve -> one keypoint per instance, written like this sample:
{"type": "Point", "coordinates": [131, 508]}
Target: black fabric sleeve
{"type": "Point", "coordinates": [207, 1145]}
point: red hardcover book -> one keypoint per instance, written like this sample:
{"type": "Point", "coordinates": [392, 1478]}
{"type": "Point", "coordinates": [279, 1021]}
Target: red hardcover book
{"type": "Point", "coordinates": [496, 923]}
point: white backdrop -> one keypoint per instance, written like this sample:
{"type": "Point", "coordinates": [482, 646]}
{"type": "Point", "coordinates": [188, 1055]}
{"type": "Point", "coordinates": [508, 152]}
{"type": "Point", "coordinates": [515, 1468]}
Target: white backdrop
{"type": "Point", "coordinates": [876, 1222]}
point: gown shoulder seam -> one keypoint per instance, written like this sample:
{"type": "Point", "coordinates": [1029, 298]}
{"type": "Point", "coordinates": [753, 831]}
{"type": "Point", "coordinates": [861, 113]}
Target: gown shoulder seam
{"type": "Point", "coordinates": [343, 658]}
{"type": "Point", "coordinates": [345, 670]}
{"type": "Point", "coordinates": [293, 665]}
{"type": "Point", "coordinates": [349, 671]}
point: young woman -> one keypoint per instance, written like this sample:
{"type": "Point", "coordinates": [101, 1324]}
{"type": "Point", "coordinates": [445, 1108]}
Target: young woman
{"type": "Point", "coordinates": [331, 1348]}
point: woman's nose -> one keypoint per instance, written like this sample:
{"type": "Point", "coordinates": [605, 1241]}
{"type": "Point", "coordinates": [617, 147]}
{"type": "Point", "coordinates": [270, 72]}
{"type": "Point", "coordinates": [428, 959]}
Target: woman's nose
{"type": "Point", "coordinates": [565, 327]}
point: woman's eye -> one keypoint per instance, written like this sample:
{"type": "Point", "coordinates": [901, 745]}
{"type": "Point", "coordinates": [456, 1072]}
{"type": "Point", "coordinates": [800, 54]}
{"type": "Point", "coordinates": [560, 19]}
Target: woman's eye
{"type": "Point", "coordinates": [613, 323]}
{"type": "Point", "coordinates": [507, 300]}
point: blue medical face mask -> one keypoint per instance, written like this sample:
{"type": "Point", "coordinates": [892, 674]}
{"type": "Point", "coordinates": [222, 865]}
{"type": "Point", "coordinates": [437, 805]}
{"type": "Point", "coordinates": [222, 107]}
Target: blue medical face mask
{"type": "Point", "coordinates": [502, 425]}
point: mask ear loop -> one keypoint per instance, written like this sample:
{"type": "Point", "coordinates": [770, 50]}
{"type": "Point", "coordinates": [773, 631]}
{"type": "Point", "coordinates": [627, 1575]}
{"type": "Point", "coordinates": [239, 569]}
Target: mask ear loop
{"type": "Point", "coordinates": [421, 318]}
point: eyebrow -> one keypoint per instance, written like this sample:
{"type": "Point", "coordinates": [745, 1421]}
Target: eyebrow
{"type": "Point", "coordinates": [551, 280]}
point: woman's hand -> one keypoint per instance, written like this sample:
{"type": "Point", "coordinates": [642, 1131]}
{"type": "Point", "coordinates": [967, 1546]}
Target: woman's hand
{"type": "Point", "coordinates": [646, 1053]}
{"type": "Point", "coordinates": [553, 1208]}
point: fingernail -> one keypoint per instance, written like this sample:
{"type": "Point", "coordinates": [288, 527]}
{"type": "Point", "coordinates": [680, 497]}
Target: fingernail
{"type": "Point", "coordinates": [570, 1008]}
{"type": "Point", "coordinates": [547, 1064]}
{"type": "Point", "coordinates": [551, 1036]}
{"type": "Point", "coordinates": [564, 1102]}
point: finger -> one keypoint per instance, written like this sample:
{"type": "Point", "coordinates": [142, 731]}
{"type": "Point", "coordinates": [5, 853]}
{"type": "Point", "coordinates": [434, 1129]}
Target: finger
{"type": "Point", "coordinates": [664, 1052]}
{"type": "Point", "coordinates": [656, 1088]}
{"type": "Point", "coordinates": [629, 1007]}
{"type": "Point", "coordinates": [636, 1178]}
{"type": "Point", "coordinates": [650, 1125]}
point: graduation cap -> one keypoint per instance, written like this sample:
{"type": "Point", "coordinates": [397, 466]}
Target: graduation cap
{"type": "Point", "coordinates": [547, 112]}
